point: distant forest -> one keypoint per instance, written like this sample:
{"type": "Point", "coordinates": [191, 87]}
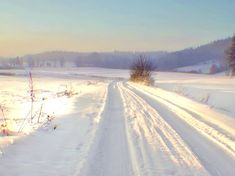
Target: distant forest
{"type": "Point", "coordinates": [163, 61]}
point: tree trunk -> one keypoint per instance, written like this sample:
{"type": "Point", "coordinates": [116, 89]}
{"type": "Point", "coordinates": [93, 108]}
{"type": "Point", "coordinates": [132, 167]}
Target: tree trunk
{"type": "Point", "coordinates": [233, 71]}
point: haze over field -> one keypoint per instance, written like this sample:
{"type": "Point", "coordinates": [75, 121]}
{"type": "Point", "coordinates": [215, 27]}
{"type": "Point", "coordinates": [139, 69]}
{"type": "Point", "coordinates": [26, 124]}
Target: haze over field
{"type": "Point", "coordinates": [117, 88]}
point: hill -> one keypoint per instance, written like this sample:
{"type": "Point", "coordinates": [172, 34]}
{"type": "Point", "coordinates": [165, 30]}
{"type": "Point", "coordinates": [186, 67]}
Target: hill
{"type": "Point", "coordinates": [165, 61]}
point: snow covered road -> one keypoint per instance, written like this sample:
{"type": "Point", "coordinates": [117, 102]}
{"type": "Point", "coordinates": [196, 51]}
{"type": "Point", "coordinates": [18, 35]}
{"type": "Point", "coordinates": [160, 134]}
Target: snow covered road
{"type": "Point", "coordinates": [125, 129]}
{"type": "Point", "coordinates": [110, 154]}
{"type": "Point", "coordinates": [213, 146]}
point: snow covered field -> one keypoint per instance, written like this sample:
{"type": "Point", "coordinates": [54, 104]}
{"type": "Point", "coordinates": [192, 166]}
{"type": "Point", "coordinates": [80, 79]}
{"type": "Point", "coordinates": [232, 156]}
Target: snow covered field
{"type": "Point", "coordinates": [214, 90]}
{"type": "Point", "coordinates": [184, 125]}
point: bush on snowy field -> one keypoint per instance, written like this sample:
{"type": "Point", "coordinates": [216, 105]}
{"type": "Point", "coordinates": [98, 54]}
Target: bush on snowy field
{"type": "Point", "coordinates": [141, 71]}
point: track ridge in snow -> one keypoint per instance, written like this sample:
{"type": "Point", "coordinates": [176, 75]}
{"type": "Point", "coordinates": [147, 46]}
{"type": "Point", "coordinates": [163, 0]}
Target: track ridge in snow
{"type": "Point", "coordinates": [159, 149]}
{"type": "Point", "coordinates": [215, 158]}
{"type": "Point", "coordinates": [220, 137]}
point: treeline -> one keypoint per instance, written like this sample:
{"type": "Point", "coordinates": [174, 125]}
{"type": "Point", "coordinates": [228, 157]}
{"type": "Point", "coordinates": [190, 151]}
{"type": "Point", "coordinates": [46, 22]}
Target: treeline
{"type": "Point", "coordinates": [122, 60]}
{"type": "Point", "coordinates": [211, 52]}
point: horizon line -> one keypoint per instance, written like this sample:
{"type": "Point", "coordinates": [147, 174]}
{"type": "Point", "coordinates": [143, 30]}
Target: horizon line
{"type": "Point", "coordinates": [113, 51]}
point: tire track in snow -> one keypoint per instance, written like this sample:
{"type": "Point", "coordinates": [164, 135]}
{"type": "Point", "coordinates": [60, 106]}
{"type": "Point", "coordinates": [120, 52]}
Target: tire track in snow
{"type": "Point", "coordinates": [215, 156]}
{"type": "Point", "coordinates": [156, 147]}
{"type": "Point", "coordinates": [226, 141]}
{"type": "Point", "coordinates": [110, 152]}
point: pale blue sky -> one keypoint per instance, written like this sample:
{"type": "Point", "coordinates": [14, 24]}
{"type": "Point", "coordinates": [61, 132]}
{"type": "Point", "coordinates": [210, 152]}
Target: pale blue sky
{"type": "Point", "coordinates": [29, 26]}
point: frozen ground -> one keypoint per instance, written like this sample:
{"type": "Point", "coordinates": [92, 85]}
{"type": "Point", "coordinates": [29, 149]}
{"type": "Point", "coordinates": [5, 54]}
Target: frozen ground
{"type": "Point", "coordinates": [112, 127]}
{"type": "Point", "coordinates": [214, 90]}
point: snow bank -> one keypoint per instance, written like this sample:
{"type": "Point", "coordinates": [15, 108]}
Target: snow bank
{"type": "Point", "coordinates": [54, 98]}
{"type": "Point", "coordinates": [216, 91]}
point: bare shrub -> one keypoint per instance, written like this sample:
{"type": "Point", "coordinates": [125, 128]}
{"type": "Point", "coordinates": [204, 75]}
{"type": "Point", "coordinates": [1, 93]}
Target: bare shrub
{"type": "Point", "coordinates": [141, 70]}
{"type": "Point", "coordinates": [3, 125]}
{"type": "Point", "coordinates": [35, 110]}
{"type": "Point", "coordinates": [69, 91]}
{"type": "Point", "coordinates": [32, 94]}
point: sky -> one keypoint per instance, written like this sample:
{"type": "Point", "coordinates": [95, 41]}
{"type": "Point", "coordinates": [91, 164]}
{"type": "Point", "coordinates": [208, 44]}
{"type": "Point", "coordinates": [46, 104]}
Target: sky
{"type": "Point", "coordinates": [34, 26]}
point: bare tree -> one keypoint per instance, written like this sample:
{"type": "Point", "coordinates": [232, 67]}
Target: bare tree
{"type": "Point", "coordinates": [230, 57]}
{"type": "Point", "coordinates": [141, 70]}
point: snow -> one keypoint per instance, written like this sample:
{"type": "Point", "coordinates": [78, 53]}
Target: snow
{"type": "Point", "coordinates": [184, 125]}
{"type": "Point", "coordinates": [109, 154]}
{"type": "Point", "coordinates": [15, 100]}
{"type": "Point", "coordinates": [203, 67]}
{"type": "Point", "coordinates": [214, 90]}
{"type": "Point", "coordinates": [81, 72]}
